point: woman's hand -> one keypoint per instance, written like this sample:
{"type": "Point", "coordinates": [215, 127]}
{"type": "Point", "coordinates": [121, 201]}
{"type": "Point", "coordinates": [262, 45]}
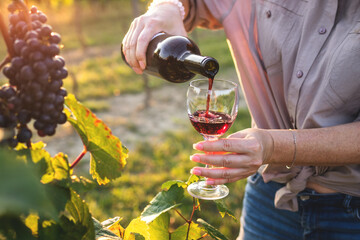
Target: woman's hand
{"type": "Point", "coordinates": [235, 157]}
{"type": "Point", "coordinates": [165, 17]}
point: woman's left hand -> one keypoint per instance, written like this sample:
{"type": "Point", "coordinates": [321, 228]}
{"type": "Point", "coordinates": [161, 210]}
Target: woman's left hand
{"type": "Point", "coordinates": [235, 157]}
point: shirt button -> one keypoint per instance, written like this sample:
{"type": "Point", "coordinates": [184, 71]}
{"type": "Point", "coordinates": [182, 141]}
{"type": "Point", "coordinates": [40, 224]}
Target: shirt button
{"type": "Point", "coordinates": [268, 13]}
{"type": "Point", "coordinates": [299, 74]}
{"type": "Point", "coordinates": [322, 30]}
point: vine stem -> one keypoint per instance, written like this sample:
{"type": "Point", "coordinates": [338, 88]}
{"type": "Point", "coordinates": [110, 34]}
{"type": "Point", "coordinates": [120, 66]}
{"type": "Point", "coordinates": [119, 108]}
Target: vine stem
{"type": "Point", "coordinates": [77, 160]}
{"type": "Point", "coordinates": [8, 42]}
{"type": "Point", "coordinates": [195, 207]}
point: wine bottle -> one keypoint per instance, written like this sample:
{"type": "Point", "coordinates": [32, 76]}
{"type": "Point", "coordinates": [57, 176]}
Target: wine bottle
{"type": "Point", "coordinates": [177, 59]}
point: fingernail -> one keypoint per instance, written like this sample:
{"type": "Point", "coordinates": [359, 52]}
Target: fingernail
{"type": "Point", "coordinates": [137, 70]}
{"type": "Point", "coordinates": [195, 158]}
{"type": "Point", "coordinates": [198, 146]}
{"type": "Point", "coordinates": [195, 171]}
{"type": "Point", "coordinates": [210, 182]}
{"type": "Point", "coordinates": [142, 65]}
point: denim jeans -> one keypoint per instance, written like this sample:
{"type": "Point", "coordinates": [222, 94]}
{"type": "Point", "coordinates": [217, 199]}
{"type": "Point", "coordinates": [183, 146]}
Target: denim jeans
{"type": "Point", "coordinates": [333, 216]}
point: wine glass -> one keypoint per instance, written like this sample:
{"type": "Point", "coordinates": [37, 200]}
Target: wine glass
{"type": "Point", "coordinates": [212, 107]}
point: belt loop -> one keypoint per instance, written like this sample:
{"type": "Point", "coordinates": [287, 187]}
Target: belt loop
{"type": "Point", "coordinates": [346, 203]}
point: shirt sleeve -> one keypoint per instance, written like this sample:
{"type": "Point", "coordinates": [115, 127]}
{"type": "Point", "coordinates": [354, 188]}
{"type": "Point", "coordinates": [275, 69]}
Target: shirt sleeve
{"type": "Point", "coordinates": [206, 13]}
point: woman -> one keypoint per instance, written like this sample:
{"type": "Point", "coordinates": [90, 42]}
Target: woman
{"type": "Point", "coordinates": [298, 62]}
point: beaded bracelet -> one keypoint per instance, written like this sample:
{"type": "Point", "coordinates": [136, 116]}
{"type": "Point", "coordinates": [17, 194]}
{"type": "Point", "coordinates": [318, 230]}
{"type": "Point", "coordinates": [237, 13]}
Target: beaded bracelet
{"type": "Point", "coordinates": [175, 2]}
{"type": "Point", "coordinates": [294, 157]}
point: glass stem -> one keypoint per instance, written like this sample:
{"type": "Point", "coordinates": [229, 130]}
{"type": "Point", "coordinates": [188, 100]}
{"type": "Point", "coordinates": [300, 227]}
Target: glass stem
{"type": "Point", "coordinates": [210, 138]}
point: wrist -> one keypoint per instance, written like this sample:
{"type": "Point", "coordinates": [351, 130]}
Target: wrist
{"type": "Point", "coordinates": [268, 146]}
{"type": "Point", "coordinates": [177, 3]}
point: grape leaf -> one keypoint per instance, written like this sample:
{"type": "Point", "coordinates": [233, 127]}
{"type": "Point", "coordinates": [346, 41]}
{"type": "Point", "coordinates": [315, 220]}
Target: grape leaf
{"type": "Point", "coordinates": [80, 214]}
{"type": "Point", "coordinates": [114, 226]}
{"type": "Point", "coordinates": [167, 185]}
{"type": "Point", "coordinates": [101, 232]}
{"type": "Point", "coordinates": [108, 155]}
{"type": "Point", "coordinates": [212, 231]}
{"type": "Point", "coordinates": [20, 188]}
{"type": "Point", "coordinates": [192, 178]}
{"type": "Point", "coordinates": [137, 226]}
{"type": "Point", "coordinates": [163, 202]}
{"type": "Point", "coordinates": [159, 228]}
{"type": "Point", "coordinates": [181, 232]}
{"type": "Point", "coordinates": [223, 209]}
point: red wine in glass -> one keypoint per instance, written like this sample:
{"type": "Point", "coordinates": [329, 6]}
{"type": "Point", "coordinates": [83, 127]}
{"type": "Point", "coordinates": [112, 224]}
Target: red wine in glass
{"type": "Point", "coordinates": [211, 123]}
{"type": "Point", "coordinates": [212, 108]}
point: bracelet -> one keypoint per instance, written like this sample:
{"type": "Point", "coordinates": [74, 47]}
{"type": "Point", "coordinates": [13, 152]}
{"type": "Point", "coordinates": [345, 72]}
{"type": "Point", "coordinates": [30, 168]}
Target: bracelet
{"type": "Point", "coordinates": [294, 157]}
{"type": "Point", "coordinates": [175, 2]}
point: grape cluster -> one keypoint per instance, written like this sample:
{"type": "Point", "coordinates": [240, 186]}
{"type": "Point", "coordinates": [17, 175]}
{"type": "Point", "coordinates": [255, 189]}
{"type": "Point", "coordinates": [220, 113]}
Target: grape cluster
{"type": "Point", "coordinates": [35, 74]}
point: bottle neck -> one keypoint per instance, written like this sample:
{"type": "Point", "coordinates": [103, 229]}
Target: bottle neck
{"type": "Point", "coordinates": [206, 66]}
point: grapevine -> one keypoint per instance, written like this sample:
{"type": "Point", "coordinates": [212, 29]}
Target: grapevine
{"type": "Point", "coordinates": [41, 201]}
{"type": "Point", "coordinates": [35, 73]}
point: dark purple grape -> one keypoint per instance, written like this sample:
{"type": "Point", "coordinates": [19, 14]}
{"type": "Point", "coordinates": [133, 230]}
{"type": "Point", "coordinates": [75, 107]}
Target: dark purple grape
{"type": "Point", "coordinates": [43, 79]}
{"type": "Point", "coordinates": [19, 26]}
{"type": "Point", "coordinates": [9, 72]}
{"type": "Point", "coordinates": [62, 92]}
{"type": "Point", "coordinates": [17, 63]}
{"type": "Point", "coordinates": [55, 86]}
{"type": "Point", "coordinates": [33, 9]}
{"type": "Point", "coordinates": [31, 34]}
{"type": "Point", "coordinates": [55, 74]}
{"type": "Point", "coordinates": [8, 91]}
{"type": "Point", "coordinates": [26, 73]}
{"type": "Point", "coordinates": [25, 52]}
{"type": "Point", "coordinates": [46, 30]}
{"type": "Point", "coordinates": [59, 62]}
{"type": "Point", "coordinates": [33, 43]}
{"type": "Point", "coordinates": [12, 7]}
{"type": "Point", "coordinates": [36, 56]}
{"type": "Point", "coordinates": [42, 18]}
{"type": "Point", "coordinates": [24, 135]}
{"type": "Point", "coordinates": [50, 97]}
{"type": "Point", "coordinates": [62, 118]}
{"type": "Point", "coordinates": [64, 73]}
{"type": "Point", "coordinates": [53, 50]}
{"type": "Point", "coordinates": [14, 18]}
{"type": "Point", "coordinates": [50, 130]}
{"type": "Point", "coordinates": [55, 38]}
{"type": "Point", "coordinates": [45, 118]}
{"type": "Point", "coordinates": [24, 117]}
{"type": "Point", "coordinates": [18, 45]}
{"type": "Point", "coordinates": [59, 100]}
{"type": "Point", "coordinates": [38, 125]}
{"type": "Point", "coordinates": [12, 142]}
{"type": "Point", "coordinates": [48, 107]}
{"type": "Point", "coordinates": [39, 67]}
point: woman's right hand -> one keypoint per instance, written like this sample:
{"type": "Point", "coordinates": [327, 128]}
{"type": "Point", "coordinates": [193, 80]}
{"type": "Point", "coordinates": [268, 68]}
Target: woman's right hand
{"type": "Point", "coordinates": [164, 17]}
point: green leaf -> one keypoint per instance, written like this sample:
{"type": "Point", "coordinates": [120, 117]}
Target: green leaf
{"type": "Point", "coordinates": [167, 185]}
{"type": "Point", "coordinates": [212, 231]}
{"type": "Point", "coordinates": [223, 209]}
{"type": "Point", "coordinates": [136, 236]}
{"type": "Point", "coordinates": [80, 214]}
{"type": "Point", "coordinates": [159, 228]}
{"type": "Point", "coordinates": [81, 184]}
{"type": "Point", "coordinates": [101, 231]}
{"type": "Point", "coordinates": [137, 226]}
{"type": "Point", "coordinates": [181, 232]}
{"type": "Point", "coordinates": [192, 178]}
{"type": "Point", "coordinates": [20, 188]}
{"type": "Point", "coordinates": [163, 202]}
{"type": "Point", "coordinates": [108, 155]}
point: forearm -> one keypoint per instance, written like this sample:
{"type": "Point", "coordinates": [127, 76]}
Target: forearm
{"type": "Point", "coordinates": [330, 146]}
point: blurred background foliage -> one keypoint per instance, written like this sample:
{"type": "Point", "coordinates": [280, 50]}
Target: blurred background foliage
{"type": "Point", "coordinates": [92, 31]}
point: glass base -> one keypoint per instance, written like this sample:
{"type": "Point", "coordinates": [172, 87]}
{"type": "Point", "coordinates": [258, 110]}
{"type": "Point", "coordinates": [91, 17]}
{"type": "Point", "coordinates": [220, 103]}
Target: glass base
{"type": "Point", "coordinates": [207, 192]}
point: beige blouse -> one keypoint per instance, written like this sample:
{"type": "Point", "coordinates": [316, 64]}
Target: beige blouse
{"type": "Point", "coordinates": [299, 66]}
